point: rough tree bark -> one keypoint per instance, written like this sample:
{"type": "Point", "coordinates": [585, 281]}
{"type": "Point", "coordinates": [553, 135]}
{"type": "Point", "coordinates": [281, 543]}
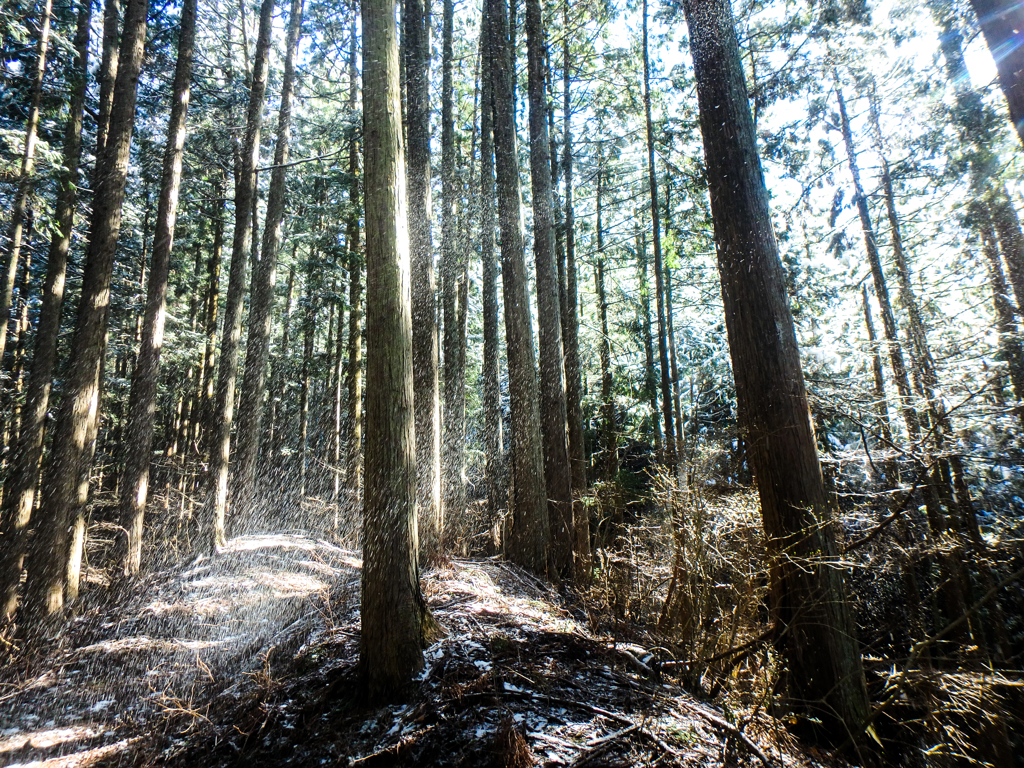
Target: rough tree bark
{"type": "Point", "coordinates": [416, 42]}
{"type": "Point", "coordinates": [393, 613]}
{"type": "Point", "coordinates": [528, 539]}
{"type": "Point", "coordinates": [354, 383]}
{"type": "Point", "coordinates": [138, 444]}
{"type": "Point", "coordinates": [557, 472]}
{"type": "Point", "coordinates": [1002, 22]}
{"type": "Point", "coordinates": [808, 595]}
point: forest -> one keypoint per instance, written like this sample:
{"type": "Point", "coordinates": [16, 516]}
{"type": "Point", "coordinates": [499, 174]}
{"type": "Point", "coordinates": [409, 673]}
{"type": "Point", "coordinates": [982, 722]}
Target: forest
{"type": "Point", "coordinates": [498, 383]}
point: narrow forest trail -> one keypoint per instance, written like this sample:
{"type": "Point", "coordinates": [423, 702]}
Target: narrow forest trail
{"type": "Point", "coordinates": [248, 658]}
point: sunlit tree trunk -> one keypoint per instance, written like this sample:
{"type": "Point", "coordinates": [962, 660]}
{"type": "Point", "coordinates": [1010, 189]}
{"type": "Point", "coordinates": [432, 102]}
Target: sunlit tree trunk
{"type": "Point", "coordinates": [393, 613]}
{"type": "Point", "coordinates": [227, 375]}
{"type": "Point", "coordinates": [650, 382]}
{"type": "Point", "coordinates": [609, 443]}
{"type": "Point", "coordinates": [261, 294]}
{"type": "Point", "coordinates": [529, 537]}
{"type": "Point", "coordinates": [142, 400]}
{"type": "Point", "coordinates": [23, 474]}
{"type": "Point", "coordinates": [557, 472]}
{"type": "Point", "coordinates": [808, 595]}
{"type": "Point", "coordinates": [9, 270]}
{"type": "Point", "coordinates": [210, 318]}
{"type": "Point", "coordinates": [56, 556]}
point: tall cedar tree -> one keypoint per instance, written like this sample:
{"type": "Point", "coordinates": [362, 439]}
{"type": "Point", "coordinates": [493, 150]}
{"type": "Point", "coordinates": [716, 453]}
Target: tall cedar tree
{"type": "Point", "coordinates": [557, 472]}
{"type": "Point", "coordinates": [56, 555]}
{"type": "Point", "coordinates": [245, 195]}
{"type": "Point", "coordinates": [354, 462]}
{"type": "Point", "coordinates": [20, 487]}
{"type": "Point", "coordinates": [261, 299]}
{"type": "Point", "coordinates": [416, 42]}
{"type": "Point", "coordinates": [393, 613]}
{"type": "Point", "coordinates": [808, 596]}
{"type": "Point", "coordinates": [138, 444]}
{"type": "Point", "coordinates": [528, 540]}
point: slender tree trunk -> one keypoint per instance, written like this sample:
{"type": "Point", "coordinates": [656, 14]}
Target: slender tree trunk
{"type": "Point", "coordinates": [677, 408]}
{"type": "Point", "coordinates": [570, 327]}
{"type": "Point", "coordinates": [453, 483]}
{"type": "Point", "coordinates": [530, 534]}
{"type": "Point", "coordinates": [609, 443]}
{"type": "Point", "coordinates": [659, 280]}
{"type": "Point", "coordinates": [881, 404]}
{"type": "Point", "coordinates": [279, 376]}
{"type": "Point", "coordinates": [644, 318]}
{"type": "Point", "coordinates": [557, 472]}
{"type": "Point", "coordinates": [393, 612]}
{"type": "Point", "coordinates": [245, 194]}
{"type": "Point", "coordinates": [208, 417]}
{"type": "Point", "coordinates": [138, 446]}
{"type": "Point", "coordinates": [56, 557]}
{"type": "Point", "coordinates": [353, 473]}
{"type": "Point", "coordinates": [809, 599]}
{"type": "Point", "coordinates": [308, 341]}
{"type": "Point", "coordinates": [23, 475]}
{"type": "Point", "coordinates": [494, 450]}
{"type": "Point", "coordinates": [416, 42]}
{"type": "Point", "coordinates": [9, 270]}
{"type": "Point", "coordinates": [261, 294]}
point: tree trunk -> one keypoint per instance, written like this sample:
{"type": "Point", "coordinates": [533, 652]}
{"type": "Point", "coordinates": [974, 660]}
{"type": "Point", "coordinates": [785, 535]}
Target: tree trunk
{"type": "Point", "coordinates": [245, 194]}
{"type": "Point", "coordinates": [9, 271]}
{"type": "Point", "coordinates": [308, 343]}
{"type": "Point", "coordinates": [208, 427]}
{"type": "Point", "coordinates": [393, 612]}
{"type": "Point", "coordinates": [251, 396]}
{"type": "Point", "coordinates": [138, 446]}
{"type": "Point", "coordinates": [107, 74]}
{"type": "Point", "coordinates": [659, 283]}
{"type": "Point", "coordinates": [809, 599]}
{"type": "Point", "coordinates": [1002, 22]}
{"type": "Point", "coordinates": [23, 474]}
{"type": "Point", "coordinates": [529, 537]}
{"type": "Point", "coordinates": [453, 481]}
{"type": "Point", "coordinates": [494, 451]}
{"type": "Point", "coordinates": [881, 404]}
{"type": "Point", "coordinates": [557, 472]}
{"type": "Point", "coordinates": [571, 327]}
{"type": "Point", "coordinates": [353, 473]}
{"type": "Point", "coordinates": [1009, 337]}
{"type": "Point", "coordinates": [650, 383]}
{"type": "Point", "coordinates": [609, 443]}
{"type": "Point", "coordinates": [55, 556]}
{"type": "Point", "coordinates": [416, 42]}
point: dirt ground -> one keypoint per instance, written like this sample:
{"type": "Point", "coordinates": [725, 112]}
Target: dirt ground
{"type": "Point", "coordinates": [249, 658]}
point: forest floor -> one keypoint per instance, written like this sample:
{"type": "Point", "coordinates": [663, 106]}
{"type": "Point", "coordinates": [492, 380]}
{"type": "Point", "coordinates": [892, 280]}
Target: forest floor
{"type": "Point", "coordinates": [249, 658]}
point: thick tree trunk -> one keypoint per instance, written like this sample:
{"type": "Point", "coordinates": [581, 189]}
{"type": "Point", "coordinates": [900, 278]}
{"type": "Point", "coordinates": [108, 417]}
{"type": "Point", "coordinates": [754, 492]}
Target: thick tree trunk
{"type": "Point", "coordinates": [9, 270]}
{"type": "Point", "coordinates": [251, 396]}
{"type": "Point", "coordinates": [659, 272]}
{"type": "Point", "coordinates": [138, 446]}
{"type": "Point", "coordinates": [23, 475]}
{"type": "Point", "coordinates": [530, 534]}
{"type": "Point", "coordinates": [55, 556]}
{"type": "Point", "coordinates": [416, 42]}
{"type": "Point", "coordinates": [227, 375]}
{"type": "Point", "coordinates": [557, 472]}
{"type": "Point", "coordinates": [393, 612]}
{"type": "Point", "coordinates": [494, 451]}
{"type": "Point", "coordinates": [809, 599]}
{"type": "Point", "coordinates": [107, 74]}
